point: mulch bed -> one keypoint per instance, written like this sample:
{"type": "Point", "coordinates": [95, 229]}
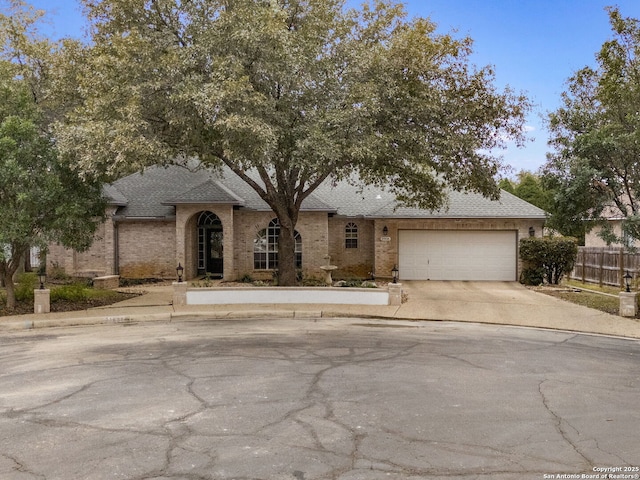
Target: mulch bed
{"type": "Point", "coordinates": [66, 306]}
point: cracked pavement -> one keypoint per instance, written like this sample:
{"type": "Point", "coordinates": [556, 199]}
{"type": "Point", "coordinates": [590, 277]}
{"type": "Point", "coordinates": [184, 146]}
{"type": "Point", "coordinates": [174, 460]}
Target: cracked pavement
{"type": "Point", "coordinates": [305, 399]}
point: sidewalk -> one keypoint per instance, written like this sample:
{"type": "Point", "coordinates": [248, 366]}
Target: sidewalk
{"type": "Point", "coordinates": [501, 303]}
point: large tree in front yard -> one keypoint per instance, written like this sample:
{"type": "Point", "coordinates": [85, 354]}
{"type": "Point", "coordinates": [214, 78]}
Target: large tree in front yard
{"type": "Point", "coordinates": [288, 94]}
{"type": "Point", "coordinates": [42, 199]}
{"type": "Point", "coordinates": [594, 168]}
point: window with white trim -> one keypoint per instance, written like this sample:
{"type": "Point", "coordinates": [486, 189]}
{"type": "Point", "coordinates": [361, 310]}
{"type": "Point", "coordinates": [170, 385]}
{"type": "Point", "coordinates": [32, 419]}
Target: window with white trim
{"type": "Point", "coordinates": [265, 247]}
{"type": "Point", "coordinates": [351, 235]}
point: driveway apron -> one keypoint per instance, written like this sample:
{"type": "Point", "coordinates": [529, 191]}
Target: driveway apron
{"type": "Point", "coordinates": [508, 303]}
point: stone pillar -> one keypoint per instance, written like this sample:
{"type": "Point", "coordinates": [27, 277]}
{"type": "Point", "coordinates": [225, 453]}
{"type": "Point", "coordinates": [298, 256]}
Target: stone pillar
{"type": "Point", "coordinates": [395, 294]}
{"type": "Point", "coordinates": [179, 294]}
{"type": "Point", "coordinates": [628, 304]}
{"type": "Point", "coordinates": [41, 300]}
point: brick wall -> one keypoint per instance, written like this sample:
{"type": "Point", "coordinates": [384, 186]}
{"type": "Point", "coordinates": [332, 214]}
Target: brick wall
{"type": "Point", "coordinates": [312, 227]}
{"type": "Point", "coordinates": [98, 260]}
{"type": "Point", "coordinates": [352, 262]}
{"type": "Point", "coordinates": [147, 249]}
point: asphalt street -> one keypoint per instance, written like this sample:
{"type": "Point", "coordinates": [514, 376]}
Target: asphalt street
{"type": "Point", "coordinates": [306, 399]}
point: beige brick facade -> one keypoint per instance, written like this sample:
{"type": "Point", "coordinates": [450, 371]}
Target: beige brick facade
{"type": "Point", "coordinates": [97, 261]}
{"type": "Point", "coordinates": [312, 227]}
{"type": "Point", "coordinates": [358, 262]}
{"type": "Point", "coordinates": [146, 249]}
{"type": "Point", "coordinates": [153, 249]}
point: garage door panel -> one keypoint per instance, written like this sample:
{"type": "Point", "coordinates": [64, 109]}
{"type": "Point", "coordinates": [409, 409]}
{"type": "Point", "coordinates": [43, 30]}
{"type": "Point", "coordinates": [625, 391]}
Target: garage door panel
{"type": "Point", "coordinates": [457, 255]}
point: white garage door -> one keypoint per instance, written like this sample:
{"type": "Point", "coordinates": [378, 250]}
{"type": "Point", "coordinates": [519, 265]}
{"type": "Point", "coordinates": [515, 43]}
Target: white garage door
{"type": "Point", "coordinates": [457, 255]}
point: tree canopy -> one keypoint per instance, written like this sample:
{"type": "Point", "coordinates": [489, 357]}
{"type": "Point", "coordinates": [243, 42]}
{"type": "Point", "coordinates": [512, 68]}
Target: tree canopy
{"type": "Point", "coordinates": [288, 94]}
{"type": "Point", "coordinates": [529, 187]}
{"type": "Point", "coordinates": [42, 198]}
{"type": "Point", "coordinates": [596, 137]}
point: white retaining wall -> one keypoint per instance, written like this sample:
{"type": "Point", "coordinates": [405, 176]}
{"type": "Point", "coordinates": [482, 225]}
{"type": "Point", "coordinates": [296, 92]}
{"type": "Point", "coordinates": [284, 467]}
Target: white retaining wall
{"type": "Point", "coordinates": [327, 295]}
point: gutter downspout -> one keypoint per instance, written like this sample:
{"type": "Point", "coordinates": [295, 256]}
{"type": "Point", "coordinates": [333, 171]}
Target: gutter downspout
{"type": "Point", "coordinates": [116, 249]}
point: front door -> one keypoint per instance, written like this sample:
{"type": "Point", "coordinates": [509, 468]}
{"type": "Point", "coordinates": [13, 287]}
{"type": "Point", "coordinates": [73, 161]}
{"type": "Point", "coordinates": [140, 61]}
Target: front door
{"type": "Point", "coordinates": [214, 251]}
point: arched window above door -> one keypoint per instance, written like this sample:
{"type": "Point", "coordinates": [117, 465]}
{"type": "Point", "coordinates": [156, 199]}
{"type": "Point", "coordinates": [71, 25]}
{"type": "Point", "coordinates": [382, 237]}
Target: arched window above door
{"type": "Point", "coordinates": [206, 219]}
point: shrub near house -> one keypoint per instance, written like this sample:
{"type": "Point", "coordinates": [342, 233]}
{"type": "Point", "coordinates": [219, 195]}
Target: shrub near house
{"type": "Point", "coordinates": [547, 259]}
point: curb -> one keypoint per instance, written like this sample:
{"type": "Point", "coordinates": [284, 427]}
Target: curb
{"type": "Point", "coordinates": [32, 324]}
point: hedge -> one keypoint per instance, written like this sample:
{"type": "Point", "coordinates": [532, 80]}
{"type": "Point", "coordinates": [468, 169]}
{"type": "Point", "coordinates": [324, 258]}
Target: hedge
{"type": "Point", "coordinates": [547, 259]}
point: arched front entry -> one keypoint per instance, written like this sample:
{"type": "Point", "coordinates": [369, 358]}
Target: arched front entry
{"type": "Point", "coordinates": [210, 245]}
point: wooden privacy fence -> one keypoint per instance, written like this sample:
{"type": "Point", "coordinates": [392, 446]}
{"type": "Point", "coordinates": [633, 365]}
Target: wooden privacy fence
{"type": "Point", "coordinates": [605, 265]}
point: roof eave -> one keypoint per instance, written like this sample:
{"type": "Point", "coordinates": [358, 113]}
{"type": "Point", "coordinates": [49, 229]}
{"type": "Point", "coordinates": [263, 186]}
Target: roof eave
{"type": "Point", "coordinates": [173, 203]}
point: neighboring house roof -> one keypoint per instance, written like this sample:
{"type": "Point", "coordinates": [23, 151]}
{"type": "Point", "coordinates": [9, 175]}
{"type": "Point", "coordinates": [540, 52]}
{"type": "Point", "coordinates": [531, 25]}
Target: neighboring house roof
{"type": "Point", "coordinates": [612, 212]}
{"type": "Point", "coordinates": [154, 193]}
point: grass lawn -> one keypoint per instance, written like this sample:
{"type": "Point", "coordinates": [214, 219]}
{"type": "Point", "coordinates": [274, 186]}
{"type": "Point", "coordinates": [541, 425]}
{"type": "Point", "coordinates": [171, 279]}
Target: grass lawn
{"type": "Point", "coordinates": [577, 292]}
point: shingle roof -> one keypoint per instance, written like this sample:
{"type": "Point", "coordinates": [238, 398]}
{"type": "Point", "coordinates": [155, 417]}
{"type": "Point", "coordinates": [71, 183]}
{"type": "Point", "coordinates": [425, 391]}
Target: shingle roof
{"type": "Point", "coordinates": [375, 202]}
{"type": "Point", "coordinates": [467, 205]}
{"type": "Point", "coordinates": [113, 196]}
{"type": "Point", "coordinates": [207, 192]}
{"type": "Point", "coordinates": [153, 194]}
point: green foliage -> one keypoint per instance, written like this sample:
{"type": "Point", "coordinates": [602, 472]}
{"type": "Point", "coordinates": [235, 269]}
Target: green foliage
{"type": "Point", "coordinates": [595, 135]}
{"type": "Point", "coordinates": [547, 259]}
{"type": "Point", "coordinates": [74, 292]}
{"type": "Point", "coordinates": [532, 275]}
{"type": "Point", "coordinates": [287, 95]}
{"type": "Point", "coordinates": [246, 278]}
{"type": "Point", "coordinates": [43, 198]}
{"type": "Point", "coordinates": [506, 185]}
{"type": "Point", "coordinates": [529, 187]}
{"type": "Point", "coordinates": [27, 282]}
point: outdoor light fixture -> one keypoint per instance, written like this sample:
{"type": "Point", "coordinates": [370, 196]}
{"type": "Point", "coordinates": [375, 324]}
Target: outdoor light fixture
{"type": "Point", "coordinates": [42, 277]}
{"type": "Point", "coordinates": [395, 273]}
{"type": "Point", "coordinates": [179, 271]}
{"type": "Point", "coordinates": [532, 232]}
{"type": "Point", "coordinates": [627, 280]}
{"type": "Point", "coordinates": [385, 231]}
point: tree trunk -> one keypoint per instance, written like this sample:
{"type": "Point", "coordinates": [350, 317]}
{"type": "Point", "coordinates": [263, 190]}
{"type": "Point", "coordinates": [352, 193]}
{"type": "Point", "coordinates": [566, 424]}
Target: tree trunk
{"type": "Point", "coordinates": [11, 293]}
{"type": "Point", "coordinates": [287, 274]}
{"type": "Point", "coordinates": [7, 271]}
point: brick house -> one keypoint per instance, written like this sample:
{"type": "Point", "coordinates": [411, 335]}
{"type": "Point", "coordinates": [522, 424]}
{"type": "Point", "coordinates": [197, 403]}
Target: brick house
{"type": "Point", "coordinates": [214, 223]}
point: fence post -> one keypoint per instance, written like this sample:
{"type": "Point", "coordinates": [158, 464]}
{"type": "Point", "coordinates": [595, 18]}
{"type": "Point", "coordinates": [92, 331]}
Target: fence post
{"type": "Point", "coordinates": [583, 261]}
{"type": "Point", "coordinates": [621, 270]}
{"type": "Point", "coordinates": [601, 268]}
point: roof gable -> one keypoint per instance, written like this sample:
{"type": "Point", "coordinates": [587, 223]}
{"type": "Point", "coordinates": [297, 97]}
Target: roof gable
{"type": "Point", "coordinates": [207, 192]}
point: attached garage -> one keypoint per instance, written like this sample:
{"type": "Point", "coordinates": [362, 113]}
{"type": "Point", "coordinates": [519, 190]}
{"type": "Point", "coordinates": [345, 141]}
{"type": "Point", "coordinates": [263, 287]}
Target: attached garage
{"type": "Point", "coordinates": [457, 255]}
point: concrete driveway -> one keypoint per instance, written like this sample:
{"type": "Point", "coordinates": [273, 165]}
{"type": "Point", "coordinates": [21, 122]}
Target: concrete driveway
{"type": "Point", "coordinates": [315, 399]}
{"type": "Point", "coordinates": [508, 303]}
